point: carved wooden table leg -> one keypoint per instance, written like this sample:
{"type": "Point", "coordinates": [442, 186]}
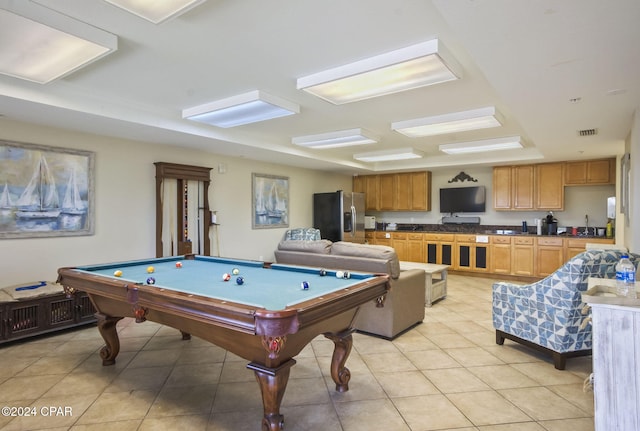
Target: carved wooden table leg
{"type": "Point", "coordinates": [341, 374]}
{"type": "Point", "coordinates": [273, 382]}
{"type": "Point", "coordinates": [107, 328]}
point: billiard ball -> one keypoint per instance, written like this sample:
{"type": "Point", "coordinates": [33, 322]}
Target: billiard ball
{"type": "Point", "coordinates": [150, 269]}
{"type": "Point", "coordinates": [304, 285]}
{"type": "Point", "coordinates": [151, 280]}
{"type": "Point", "coordinates": [346, 274]}
{"type": "Point", "coordinates": [323, 272]}
{"type": "Point", "coordinates": [226, 276]}
{"type": "Point", "coordinates": [240, 280]}
{"type": "Point", "coordinates": [178, 264]}
{"type": "Point", "coordinates": [235, 271]}
{"type": "Point", "coordinates": [339, 274]}
{"type": "Point", "coordinates": [117, 273]}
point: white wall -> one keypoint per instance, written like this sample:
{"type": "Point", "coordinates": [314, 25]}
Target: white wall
{"type": "Point", "coordinates": [125, 204]}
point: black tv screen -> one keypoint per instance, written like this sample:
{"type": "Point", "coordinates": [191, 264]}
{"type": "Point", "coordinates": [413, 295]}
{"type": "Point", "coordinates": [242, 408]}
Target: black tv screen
{"type": "Point", "coordinates": [463, 200]}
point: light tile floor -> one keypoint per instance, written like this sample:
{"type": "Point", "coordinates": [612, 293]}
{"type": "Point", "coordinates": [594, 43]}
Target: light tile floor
{"type": "Point", "coordinates": [445, 374]}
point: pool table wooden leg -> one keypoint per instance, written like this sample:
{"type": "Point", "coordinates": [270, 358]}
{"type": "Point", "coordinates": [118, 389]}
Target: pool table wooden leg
{"type": "Point", "coordinates": [273, 382]}
{"type": "Point", "coordinates": [107, 328]}
{"type": "Point", "coordinates": [342, 347]}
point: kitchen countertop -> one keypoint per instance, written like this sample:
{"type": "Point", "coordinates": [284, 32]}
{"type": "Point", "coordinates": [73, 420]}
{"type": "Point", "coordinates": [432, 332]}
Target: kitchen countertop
{"type": "Point", "coordinates": [475, 229]}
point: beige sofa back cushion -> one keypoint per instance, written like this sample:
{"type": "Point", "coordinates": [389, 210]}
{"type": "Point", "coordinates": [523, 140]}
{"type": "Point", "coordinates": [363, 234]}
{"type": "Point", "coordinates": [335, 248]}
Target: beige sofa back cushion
{"type": "Point", "coordinates": [382, 252]}
{"type": "Point", "coordinates": [322, 246]}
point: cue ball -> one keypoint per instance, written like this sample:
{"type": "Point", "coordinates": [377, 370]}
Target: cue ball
{"type": "Point", "coordinates": [339, 274]}
{"type": "Point", "coordinates": [323, 272]}
{"type": "Point", "coordinates": [178, 264]}
{"type": "Point", "coordinates": [226, 277]}
{"type": "Point", "coordinates": [235, 271]}
{"type": "Point", "coordinates": [304, 285]}
{"type": "Point", "coordinates": [118, 273]}
{"type": "Point", "coordinates": [346, 274]}
{"type": "Point", "coordinates": [151, 280]}
{"type": "Point", "coordinates": [150, 269]}
{"type": "Point", "coordinates": [239, 280]}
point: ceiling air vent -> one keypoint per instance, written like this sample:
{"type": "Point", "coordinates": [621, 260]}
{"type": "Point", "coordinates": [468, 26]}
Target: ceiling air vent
{"type": "Point", "coordinates": [587, 132]}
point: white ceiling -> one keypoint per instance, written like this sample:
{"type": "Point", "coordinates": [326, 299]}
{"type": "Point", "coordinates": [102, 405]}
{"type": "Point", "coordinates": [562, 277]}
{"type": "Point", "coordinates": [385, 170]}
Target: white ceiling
{"type": "Point", "coordinates": [527, 58]}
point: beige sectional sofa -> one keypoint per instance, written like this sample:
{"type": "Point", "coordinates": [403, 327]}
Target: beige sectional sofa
{"type": "Point", "coordinates": [404, 306]}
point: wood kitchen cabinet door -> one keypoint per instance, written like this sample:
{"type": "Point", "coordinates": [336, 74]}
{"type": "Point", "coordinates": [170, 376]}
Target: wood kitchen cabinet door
{"type": "Point", "coordinates": [523, 187]}
{"type": "Point", "coordinates": [500, 255]}
{"type": "Point", "coordinates": [371, 192]}
{"type": "Point", "coordinates": [523, 256]}
{"type": "Point", "coordinates": [550, 255]}
{"type": "Point", "coordinates": [403, 192]}
{"type": "Point", "coordinates": [502, 189]}
{"type": "Point", "coordinates": [387, 191]}
{"type": "Point", "coordinates": [420, 191]}
{"type": "Point", "coordinates": [550, 186]}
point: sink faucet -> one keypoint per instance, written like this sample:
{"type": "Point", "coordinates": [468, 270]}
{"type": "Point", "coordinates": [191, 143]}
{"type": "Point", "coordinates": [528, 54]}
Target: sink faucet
{"type": "Point", "coordinates": [586, 225]}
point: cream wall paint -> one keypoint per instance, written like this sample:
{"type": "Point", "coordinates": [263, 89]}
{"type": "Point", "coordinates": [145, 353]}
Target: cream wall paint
{"type": "Point", "coordinates": [125, 203]}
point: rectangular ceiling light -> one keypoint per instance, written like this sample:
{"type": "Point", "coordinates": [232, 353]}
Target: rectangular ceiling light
{"type": "Point", "coordinates": [474, 119]}
{"type": "Point", "coordinates": [342, 138]}
{"type": "Point", "coordinates": [40, 45]}
{"type": "Point", "coordinates": [389, 155]}
{"type": "Point", "coordinates": [407, 68]}
{"type": "Point", "coordinates": [242, 109]}
{"type": "Point", "coordinates": [496, 144]}
{"type": "Point", "coordinates": [156, 11]}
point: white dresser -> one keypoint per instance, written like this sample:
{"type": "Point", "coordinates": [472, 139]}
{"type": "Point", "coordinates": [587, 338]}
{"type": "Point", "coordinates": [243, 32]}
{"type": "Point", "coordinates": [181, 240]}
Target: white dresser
{"type": "Point", "coordinates": [616, 357]}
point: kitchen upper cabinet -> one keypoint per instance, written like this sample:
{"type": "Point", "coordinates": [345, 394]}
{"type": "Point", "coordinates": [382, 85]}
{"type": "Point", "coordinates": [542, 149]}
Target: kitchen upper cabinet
{"type": "Point", "coordinates": [513, 187]}
{"type": "Point", "coordinates": [549, 186]}
{"type": "Point", "coordinates": [529, 187]}
{"type": "Point", "coordinates": [371, 192]}
{"type": "Point", "coordinates": [420, 191]}
{"type": "Point", "coordinates": [590, 172]}
{"type": "Point", "coordinates": [407, 191]}
{"type": "Point", "coordinates": [386, 190]}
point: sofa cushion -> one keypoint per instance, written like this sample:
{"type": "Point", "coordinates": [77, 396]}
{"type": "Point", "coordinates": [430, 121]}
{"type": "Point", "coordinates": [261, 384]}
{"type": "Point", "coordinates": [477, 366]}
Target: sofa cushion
{"type": "Point", "coordinates": [322, 246]}
{"type": "Point", "coordinates": [382, 252]}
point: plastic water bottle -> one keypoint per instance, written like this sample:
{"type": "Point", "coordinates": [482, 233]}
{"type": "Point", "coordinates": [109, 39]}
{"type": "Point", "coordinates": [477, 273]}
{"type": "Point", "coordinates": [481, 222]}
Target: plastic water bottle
{"type": "Point", "coordinates": [625, 277]}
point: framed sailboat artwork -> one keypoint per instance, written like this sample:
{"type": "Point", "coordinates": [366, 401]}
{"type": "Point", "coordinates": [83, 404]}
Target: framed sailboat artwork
{"type": "Point", "coordinates": [270, 206]}
{"type": "Point", "coordinates": [45, 191]}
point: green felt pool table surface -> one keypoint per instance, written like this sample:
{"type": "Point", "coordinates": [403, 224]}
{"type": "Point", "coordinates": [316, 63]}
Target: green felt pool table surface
{"type": "Point", "coordinates": [272, 288]}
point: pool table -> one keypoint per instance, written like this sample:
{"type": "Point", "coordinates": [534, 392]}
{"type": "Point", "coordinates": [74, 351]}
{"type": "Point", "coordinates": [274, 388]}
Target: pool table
{"type": "Point", "coordinates": [267, 320]}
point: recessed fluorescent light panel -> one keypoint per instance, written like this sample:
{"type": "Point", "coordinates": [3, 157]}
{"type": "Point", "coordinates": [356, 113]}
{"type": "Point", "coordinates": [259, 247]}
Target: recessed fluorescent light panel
{"type": "Point", "coordinates": [246, 108]}
{"type": "Point", "coordinates": [473, 119]}
{"type": "Point", "coordinates": [512, 142]}
{"type": "Point", "coordinates": [342, 138]}
{"type": "Point", "coordinates": [156, 11]}
{"type": "Point", "coordinates": [389, 155]}
{"type": "Point", "coordinates": [40, 45]}
{"type": "Point", "coordinates": [415, 66]}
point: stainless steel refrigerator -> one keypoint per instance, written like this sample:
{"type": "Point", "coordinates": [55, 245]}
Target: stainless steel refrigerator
{"type": "Point", "coordinates": [339, 216]}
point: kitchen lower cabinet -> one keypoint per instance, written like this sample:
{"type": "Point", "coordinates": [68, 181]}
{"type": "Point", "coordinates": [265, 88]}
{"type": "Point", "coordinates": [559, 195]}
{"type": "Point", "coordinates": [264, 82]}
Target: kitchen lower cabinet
{"type": "Point", "coordinates": [549, 255]}
{"type": "Point", "coordinates": [415, 249]}
{"type": "Point", "coordinates": [576, 246]}
{"type": "Point", "coordinates": [523, 256]}
{"type": "Point", "coordinates": [500, 251]}
{"type": "Point", "coordinates": [439, 248]}
{"type": "Point", "coordinates": [399, 243]}
{"type": "Point", "coordinates": [470, 254]}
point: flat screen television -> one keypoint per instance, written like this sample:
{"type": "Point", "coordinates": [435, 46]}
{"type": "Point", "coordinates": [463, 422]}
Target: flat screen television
{"type": "Point", "coordinates": [463, 200]}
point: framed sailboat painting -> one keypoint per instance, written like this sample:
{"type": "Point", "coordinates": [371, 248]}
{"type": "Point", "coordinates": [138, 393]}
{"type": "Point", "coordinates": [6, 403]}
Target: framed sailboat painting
{"type": "Point", "coordinates": [45, 191]}
{"type": "Point", "coordinates": [270, 206]}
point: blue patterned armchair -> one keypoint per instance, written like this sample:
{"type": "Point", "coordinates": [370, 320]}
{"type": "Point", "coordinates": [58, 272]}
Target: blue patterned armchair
{"type": "Point", "coordinates": [547, 315]}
